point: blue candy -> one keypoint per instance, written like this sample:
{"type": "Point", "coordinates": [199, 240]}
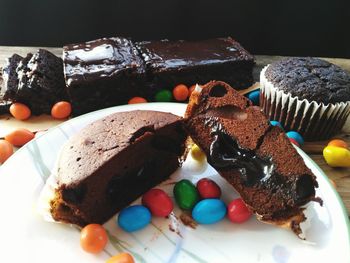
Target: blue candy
{"type": "Point", "coordinates": [276, 123]}
{"type": "Point", "coordinates": [296, 136]}
{"type": "Point", "coordinates": [209, 211]}
{"type": "Point", "coordinates": [134, 218]}
{"type": "Point", "coordinates": [254, 96]}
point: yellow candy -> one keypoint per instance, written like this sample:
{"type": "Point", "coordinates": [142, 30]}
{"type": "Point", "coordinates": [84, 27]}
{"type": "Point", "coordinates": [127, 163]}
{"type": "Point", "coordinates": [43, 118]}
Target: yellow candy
{"type": "Point", "coordinates": [336, 156]}
{"type": "Point", "coordinates": [197, 153]}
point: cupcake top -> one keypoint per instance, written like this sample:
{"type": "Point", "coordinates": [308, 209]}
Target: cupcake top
{"type": "Point", "coordinates": [312, 79]}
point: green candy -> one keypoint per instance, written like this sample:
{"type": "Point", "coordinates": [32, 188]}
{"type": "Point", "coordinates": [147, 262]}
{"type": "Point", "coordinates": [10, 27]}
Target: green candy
{"type": "Point", "coordinates": [164, 96]}
{"type": "Point", "coordinates": [186, 194]}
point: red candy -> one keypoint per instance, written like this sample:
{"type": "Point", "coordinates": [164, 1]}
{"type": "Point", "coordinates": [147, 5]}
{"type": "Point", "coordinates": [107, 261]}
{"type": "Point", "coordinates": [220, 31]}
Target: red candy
{"type": "Point", "coordinates": [208, 189]}
{"type": "Point", "coordinates": [158, 202]}
{"type": "Point", "coordinates": [237, 211]}
{"type": "Point", "coordinates": [294, 142]}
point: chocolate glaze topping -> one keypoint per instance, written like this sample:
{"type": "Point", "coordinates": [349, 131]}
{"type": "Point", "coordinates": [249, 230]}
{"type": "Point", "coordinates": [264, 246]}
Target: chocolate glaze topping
{"type": "Point", "coordinates": [100, 58]}
{"type": "Point", "coordinates": [165, 54]}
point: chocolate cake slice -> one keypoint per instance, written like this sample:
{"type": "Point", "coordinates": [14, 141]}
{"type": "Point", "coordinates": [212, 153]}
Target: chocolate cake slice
{"type": "Point", "coordinates": [102, 73]}
{"type": "Point", "coordinates": [169, 63]}
{"type": "Point", "coordinates": [10, 78]}
{"type": "Point", "coordinates": [256, 158]}
{"type": "Point", "coordinates": [113, 161]}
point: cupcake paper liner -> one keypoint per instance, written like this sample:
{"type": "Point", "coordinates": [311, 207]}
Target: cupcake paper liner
{"type": "Point", "coordinates": [313, 120]}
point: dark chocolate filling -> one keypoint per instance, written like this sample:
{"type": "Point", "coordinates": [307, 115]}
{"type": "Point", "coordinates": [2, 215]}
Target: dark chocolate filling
{"type": "Point", "coordinates": [254, 170]}
{"type": "Point", "coordinates": [74, 195]}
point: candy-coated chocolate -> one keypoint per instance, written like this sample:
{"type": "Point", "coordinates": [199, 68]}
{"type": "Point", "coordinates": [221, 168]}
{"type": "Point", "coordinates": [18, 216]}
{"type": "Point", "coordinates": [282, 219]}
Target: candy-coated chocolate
{"type": "Point", "coordinates": [254, 96]}
{"type": "Point", "coordinates": [134, 218]}
{"type": "Point", "coordinates": [158, 202]}
{"type": "Point", "coordinates": [336, 156]}
{"type": "Point", "coordinates": [121, 258]}
{"type": "Point", "coordinates": [276, 123]}
{"type": "Point", "coordinates": [294, 142]}
{"type": "Point", "coordinates": [19, 137]}
{"type": "Point", "coordinates": [180, 92]}
{"type": "Point", "coordinates": [209, 211]}
{"type": "Point", "coordinates": [296, 136]}
{"type": "Point", "coordinates": [6, 150]}
{"type": "Point", "coordinates": [93, 238]}
{"type": "Point", "coordinates": [207, 188]}
{"type": "Point", "coordinates": [164, 96]}
{"type": "Point", "coordinates": [338, 143]}
{"type": "Point", "coordinates": [61, 110]}
{"type": "Point", "coordinates": [20, 111]}
{"type": "Point", "coordinates": [197, 154]}
{"type": "Point", "coordinates": [136, 100]}
{"type": "Point", "coordinates": [186, 194]}
{"type": "Point", "coordinates": [237, 211]}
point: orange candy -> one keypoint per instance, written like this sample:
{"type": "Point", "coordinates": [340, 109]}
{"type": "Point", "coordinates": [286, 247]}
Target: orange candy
{"type": "Point", "coordinates": [338, 143]}
{"type": "Point", "coordinates": [20, 111]}
{"type": "Point", "coordinates": [121, 258]}
{"type": "Point", "coordinates": [136, 100]}
{"type": "Point", "coordinates": [180, 92]}
{"type": "Point", "coordinates": [61, 110]}
{"type": "Point", "coordinates": [6, 150]}
{"type": "Point", "coordinates": [93, 238]}
{"type": "Point", "coordinates": [19, 137]}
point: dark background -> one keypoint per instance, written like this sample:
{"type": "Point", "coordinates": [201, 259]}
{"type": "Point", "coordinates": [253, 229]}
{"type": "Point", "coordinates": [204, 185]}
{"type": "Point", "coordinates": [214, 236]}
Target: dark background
{"type": "Point", "coordinates": [305, 28]}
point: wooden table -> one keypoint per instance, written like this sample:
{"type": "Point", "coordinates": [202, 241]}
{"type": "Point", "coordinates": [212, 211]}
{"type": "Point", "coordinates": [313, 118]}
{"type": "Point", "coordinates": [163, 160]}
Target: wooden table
{"type": "Point", "coordinates": [341, 177]}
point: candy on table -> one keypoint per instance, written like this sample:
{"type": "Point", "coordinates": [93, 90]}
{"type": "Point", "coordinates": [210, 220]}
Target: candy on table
{"type": "Point", "coordinates": [20, 111]}
{"type": "Point", "coordinates": [336, 156]}
{"type": "Point", "coordinates": [209, 211]}
{"type": "Point", "coordinates": [254, 96]}
{"type": "Point", "coordinates": [237, 211]}
{"type": "Point", "coordinates": [93, 238]}
{"type": "Point", "coordinates": [158, 202]}
{"type": "Point", "coordinates": [186, 194]}
{"type": "Point", "coordinates": [6, 150]}
{"type": "Point", "coordinates": [296, 136]}
{"type": "Point", "coordinates": [164, 96]}
{"type": "Point", "coordinates": [121, 258]}
{"type": "Point", "coordinates": [197, 154]}
{"type": "Point", "coordinates": [294, 142]}
{"type": "Point", "coordinates": [134, 218]}
{"type": "Point", "coordinates": [19, 137]}
{"type": "Point", "coordinates": [207, 188]}
{"type": "Point", "coordinates": [338, 143]}
{"type": "Point", "coordinates": [276, 123]}
{"type": "Point", "coordinates": [180, 92]}
{"type": "Point", "coordinates": [136, 100]}
{"type": "Point", "coordinates": [61, 110]}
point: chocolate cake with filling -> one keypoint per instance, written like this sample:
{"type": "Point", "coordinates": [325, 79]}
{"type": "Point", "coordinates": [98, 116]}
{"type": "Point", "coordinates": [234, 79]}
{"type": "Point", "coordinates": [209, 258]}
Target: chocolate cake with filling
{"type": "Point", "coordinates": [102, 73]}
{"type": "Point", "coordinates": [256, 158]}
{"type": "Point", "coordinates": [35, 80]}
{"type": "Point", "coordinates": [169, 63]}
{"type": "Point", "coordinates": [113, 161]}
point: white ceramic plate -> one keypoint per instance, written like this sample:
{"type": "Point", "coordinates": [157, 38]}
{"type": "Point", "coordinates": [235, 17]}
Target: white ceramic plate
{"type": "Point", "coordinates": [26, 237]}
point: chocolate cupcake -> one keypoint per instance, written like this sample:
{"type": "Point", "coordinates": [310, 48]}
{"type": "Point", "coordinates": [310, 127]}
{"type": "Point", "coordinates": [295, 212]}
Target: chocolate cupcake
{"type": "Point", "coordinates": [307, 95]}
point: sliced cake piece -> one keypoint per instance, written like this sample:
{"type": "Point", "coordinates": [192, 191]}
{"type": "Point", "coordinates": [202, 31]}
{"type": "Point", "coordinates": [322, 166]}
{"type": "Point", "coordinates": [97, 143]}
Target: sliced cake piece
{"type": "Point", "coordinates": [10, 78]}
{"type": "Point", "coordinates": [113, 161]}
{"type": "Point", "coordinates": [255, 158]}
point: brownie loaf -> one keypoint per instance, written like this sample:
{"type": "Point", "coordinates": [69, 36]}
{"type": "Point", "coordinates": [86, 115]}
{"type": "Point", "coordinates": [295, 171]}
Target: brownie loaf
{"type": "Point", "coordinates": [312, 79]}
{"type": "Point", "coordinates": [169, 63]}
{"type": "Point", "coordinates": [35, 80]}
{"type": "Point", "coordinates": [113, 161]}
{"type": "Point", "coordinates": [102, 73]}
{"type": "Point", "coordinates": [257, 159]}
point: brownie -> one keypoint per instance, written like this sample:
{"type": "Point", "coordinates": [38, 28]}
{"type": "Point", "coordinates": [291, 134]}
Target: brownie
{"type": "Point", "coordinates": [309, 78]}
{"type": "Point", "coordinates": [257, 159]}
{"type": "Point", "coordinates": [10, 78]}
{"type": "Point", "coordinates": [113, 161]}
{"type": "Point", "coordinates": [35, 80]}
{"type": "Point", "coordinates": [169, 63]}
{"type": "Point", "coordinates": [102, 73]}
